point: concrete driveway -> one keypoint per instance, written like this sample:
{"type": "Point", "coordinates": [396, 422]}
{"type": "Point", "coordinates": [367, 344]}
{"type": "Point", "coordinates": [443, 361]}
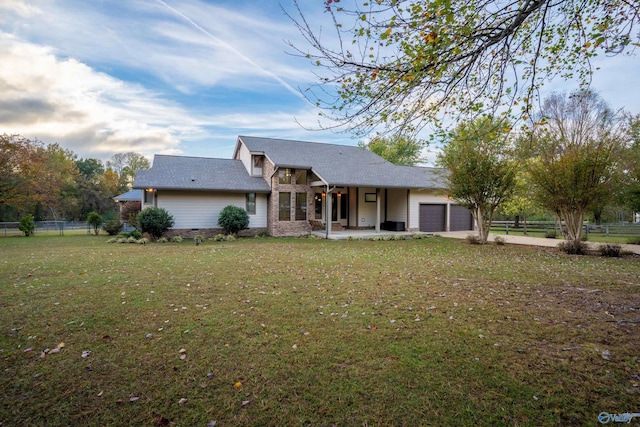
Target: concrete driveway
{"type": "Point", "coordinates": [532, 241]}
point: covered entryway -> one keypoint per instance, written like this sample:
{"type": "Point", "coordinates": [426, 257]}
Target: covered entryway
{"type": "Point", "coordinates": [433, 217]}
{"type": "Point", "coordinates": [461, 219]}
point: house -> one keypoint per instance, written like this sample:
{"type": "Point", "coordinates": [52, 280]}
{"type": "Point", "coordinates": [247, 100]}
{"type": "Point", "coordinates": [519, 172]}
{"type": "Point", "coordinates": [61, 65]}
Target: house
{"type": "Point", "coordinates": [289, 188]}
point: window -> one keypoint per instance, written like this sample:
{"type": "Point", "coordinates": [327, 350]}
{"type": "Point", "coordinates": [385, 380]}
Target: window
{"type": "Point", "coordinates": [318, 205]}
{"type": "Point", "coordinates": [148, 196]}
{"type": "Point", "coordinates": [251, 203]}
{"type": "Point", "coordinates": [284, 213]}
{"type": "Point", "coordinates": [257, 166]}
{"type": "Point", "coordinates": [301, 177]}
{"type": "Point", "coordinates": [301, 206]}
{"type": "Point", "coordinates": [284, 176]}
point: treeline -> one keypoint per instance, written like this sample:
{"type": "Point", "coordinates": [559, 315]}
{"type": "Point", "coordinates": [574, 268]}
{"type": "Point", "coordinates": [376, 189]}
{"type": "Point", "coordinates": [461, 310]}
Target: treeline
{"type": "Point", "coordinates": [52, 183]}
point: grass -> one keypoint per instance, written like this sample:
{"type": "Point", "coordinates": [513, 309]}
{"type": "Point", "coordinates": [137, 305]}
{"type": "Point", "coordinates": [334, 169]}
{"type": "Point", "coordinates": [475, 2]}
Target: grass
{"type": "Point", "coordinates": [312, 332]}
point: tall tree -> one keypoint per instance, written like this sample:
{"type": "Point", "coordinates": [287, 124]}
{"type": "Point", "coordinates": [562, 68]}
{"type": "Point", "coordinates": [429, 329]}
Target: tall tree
{"type": "Point", "coordinates": [480, 168]}
{"type": "Point", "coordinates": [521, 204]}
{"type": "Point", "coordinates": [403, 63]}
{"type": "Point", "coordinates": [631, 170]}
{"type": "Point", "coordinates": [126, 165]}
{"type": "Point", "coordinates": [398, 149]}
{"type": "Point", "coordinates": [18, 165]}
{"type": "Point", "coordinates": [576, 149]}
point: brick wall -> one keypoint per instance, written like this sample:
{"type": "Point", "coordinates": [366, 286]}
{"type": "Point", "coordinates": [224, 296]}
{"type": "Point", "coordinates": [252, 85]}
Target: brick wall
{"type": "Point", "coordinates": [286, 228]}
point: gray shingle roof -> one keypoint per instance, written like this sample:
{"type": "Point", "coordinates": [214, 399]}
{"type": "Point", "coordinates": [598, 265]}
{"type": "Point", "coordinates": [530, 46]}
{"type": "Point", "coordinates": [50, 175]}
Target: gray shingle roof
{"type": "Point", "coordinates": [199, 174]}
{"type": "Point", "coordinates": [343, 165]}
{"type": "Point", "coordinates": [129, 196]}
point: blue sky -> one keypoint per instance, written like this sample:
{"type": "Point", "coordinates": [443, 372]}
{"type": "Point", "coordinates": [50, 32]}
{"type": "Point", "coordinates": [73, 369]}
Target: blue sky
{"type": "Point", "coordinates": [177, 77]}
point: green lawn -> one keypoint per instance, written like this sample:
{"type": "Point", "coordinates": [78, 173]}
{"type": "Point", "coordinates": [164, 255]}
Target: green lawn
{"type": "Point", "coordinates": [311, 332]}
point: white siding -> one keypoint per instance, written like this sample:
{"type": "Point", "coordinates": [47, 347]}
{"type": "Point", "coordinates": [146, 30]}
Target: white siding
{"type": "Point", "coordinates": [418, 197]}
{"type": "Point", "coordinates": [396, 205]}
{"type": "Point", "coordinates": [200, 210]}
{"type": "Point", "coordinates": [245, 157]}
{"type": "Point", "coordinates": [367, 210]}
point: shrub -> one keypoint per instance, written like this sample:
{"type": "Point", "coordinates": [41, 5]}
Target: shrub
{"type": "Point", "coordinates": [27, 225]}
{"type": "Point", "coordinates": [130, 212]}
{"type": "Point", "coordinates": [94, 220]}
{"type": "Point", "coordinates": [473, 239]}
{"type": "Point", "coordinates": [610, 250]}
{"type": "Point", "coordinates": [155, 221]}
{"type": "Point", "coordinates": [163, 240]}
{"type": "Point", "coordinates": [143, 241]}
{"type": "Point", "coordinates": [112, 227]}
{"type": "Point", "coordinates": [132, 240]}
{"type": "Point", "coordinates": [550, 234]}
{"type": "Point", "coordinates": [224, 238]}
{"type": "Point", "coordinates": [198, 239]}
{"type": "Point", "coordinates": [263, 233]}
{"type": "Point", "coordinates": [573, 247]}
{"type": "Point", "coordinates": [233, 219]}
{"type": "Point", "coordinates": [176, 239]}
{"type": "Point", "coordinates": [499, 240]}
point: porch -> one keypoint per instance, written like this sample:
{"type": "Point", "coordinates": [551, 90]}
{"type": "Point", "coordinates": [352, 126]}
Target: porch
{"type": "Point", "coordinates": [347, 234]}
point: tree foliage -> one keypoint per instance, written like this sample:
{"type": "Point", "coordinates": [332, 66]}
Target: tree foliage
{"type": "Point", "coordinates": [155, 221]}
{"type": "Point", "coordinates": [398, 149]}
{"type": "Point", "coordinates": [631, 168]}
{"type": "Point", "coordinates": [95, 221]}
{"type": "Point", "coordinates": [50, 182]}
{"type": "Point", "coordinates": [576, 150]}
{"type": "Point", "coordinates": [126, 166]}
{"type": "Point", "coordinates": [404, 63]}
{"type": "Point", "coordinates": [233, 219]}
{"type": "Point", "coordinates": [480, 168]}
{"type": "Point", "coordinates": [27, 225]}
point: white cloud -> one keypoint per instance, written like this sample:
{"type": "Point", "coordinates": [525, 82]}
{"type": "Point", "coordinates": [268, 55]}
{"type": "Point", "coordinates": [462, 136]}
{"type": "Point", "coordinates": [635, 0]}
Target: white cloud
{"type": "Point", "coordinates": [91, 113]}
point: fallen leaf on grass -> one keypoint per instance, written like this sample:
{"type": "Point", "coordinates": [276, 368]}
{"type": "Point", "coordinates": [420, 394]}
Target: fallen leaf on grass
{"type": "Point", "coordinates": [86, 354]}
{"type": "Point", "coordinates": [238, 384]}
{"type": "Point", "coordinates": [134, 399]}
{"type": "Point", "coordinates": [162, 421]}
{"type": "Point", "coordinates": [245, 402]}
{"type": "Point", "coordinates": [182, 401]}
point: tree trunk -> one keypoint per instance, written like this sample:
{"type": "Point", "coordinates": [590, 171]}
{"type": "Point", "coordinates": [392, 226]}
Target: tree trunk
{"type": "Point", "coordinates": [479, 217]}
{"type": "Point", "coordinates": [573, 220]}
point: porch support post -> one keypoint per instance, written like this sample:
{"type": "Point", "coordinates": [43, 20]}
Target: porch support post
{"type": "Point", "coordinates": [327, 214]}
{"type": "Point", "coordinates": [377, 210]}
{"type": "Point", "coordinates": [406, 226]}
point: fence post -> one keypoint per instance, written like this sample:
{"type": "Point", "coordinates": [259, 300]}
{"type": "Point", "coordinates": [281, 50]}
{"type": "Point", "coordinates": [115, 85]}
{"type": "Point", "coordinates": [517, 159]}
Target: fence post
{"type": "Point", "coordinates": [507, 228]}
{"type": "Point", "coordinates": [606, 230]}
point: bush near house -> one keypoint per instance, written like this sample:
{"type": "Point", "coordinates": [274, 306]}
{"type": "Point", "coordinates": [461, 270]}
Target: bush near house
{"type": "Point", "coordinates": [112, 227]}
{"type": "Point", "coordinates": [233, 219]}
{"type": "Point", "coordinates": [155, 221]}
